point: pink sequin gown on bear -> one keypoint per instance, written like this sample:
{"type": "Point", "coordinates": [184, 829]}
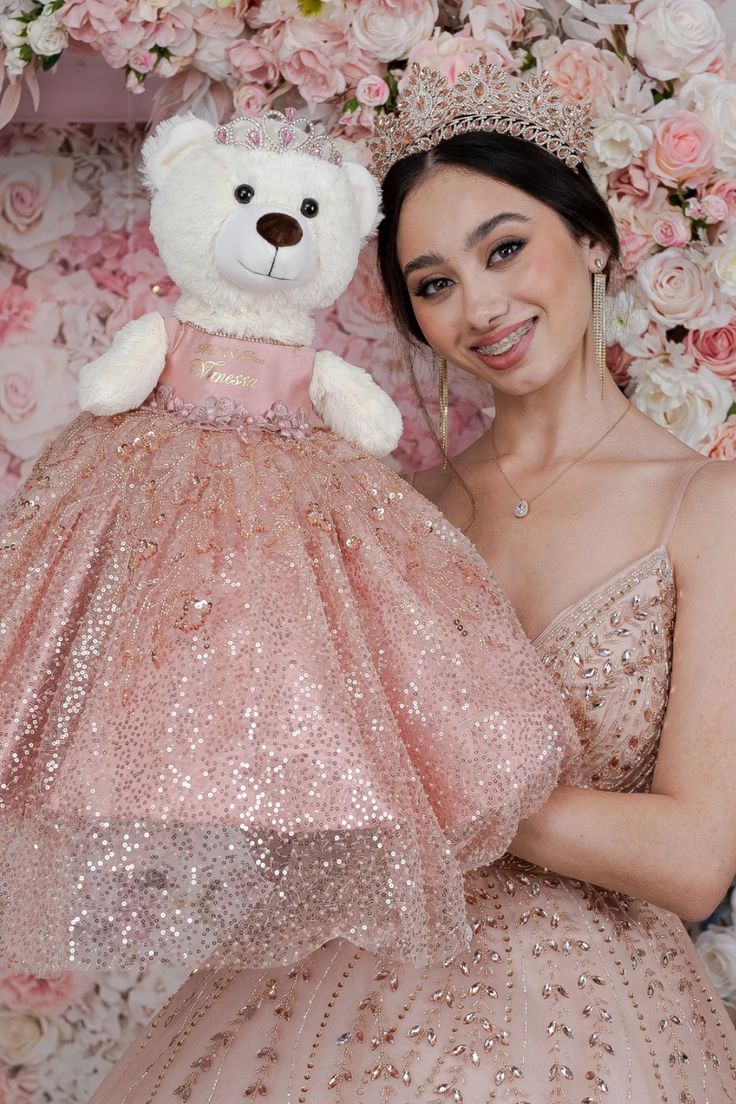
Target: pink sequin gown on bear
{"type": "Point", "coordinates": [567, 994]}
{"type": "Point", "coordinates": [256, 692]}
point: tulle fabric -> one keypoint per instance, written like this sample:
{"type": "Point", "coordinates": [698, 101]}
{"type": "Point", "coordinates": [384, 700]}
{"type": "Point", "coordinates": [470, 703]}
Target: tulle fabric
{"type": "Point", "coordinates": [257, 694]}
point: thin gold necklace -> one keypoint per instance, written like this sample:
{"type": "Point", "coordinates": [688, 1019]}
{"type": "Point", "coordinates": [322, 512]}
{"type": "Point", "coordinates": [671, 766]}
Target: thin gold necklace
{"type": "Point", "coordinates": [521, 509]}
{"type": "Point", "coordinates": [240, 337]}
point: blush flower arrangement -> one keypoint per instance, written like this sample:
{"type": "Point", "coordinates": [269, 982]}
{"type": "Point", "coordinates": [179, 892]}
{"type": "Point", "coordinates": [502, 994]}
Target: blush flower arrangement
{"type": "Point", "coordinates": [77, 262]}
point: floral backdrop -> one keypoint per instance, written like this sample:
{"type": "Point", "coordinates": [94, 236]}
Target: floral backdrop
{"type": "Point", "coordinates": [77, 262]}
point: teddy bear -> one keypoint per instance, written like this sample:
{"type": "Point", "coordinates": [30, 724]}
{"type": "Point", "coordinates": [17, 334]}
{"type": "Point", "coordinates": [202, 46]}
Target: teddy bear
{"type": "Point", "coordinates": [265, 245]}
{"type": "Point", "coordinates": [256, 689]}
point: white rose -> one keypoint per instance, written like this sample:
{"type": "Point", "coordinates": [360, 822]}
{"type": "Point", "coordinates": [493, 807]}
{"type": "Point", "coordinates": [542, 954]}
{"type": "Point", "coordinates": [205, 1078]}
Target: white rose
{"type": "Point", "coordinates": [11, 32]}
{"type": "Point", "coordinates": [389, 35]}
{"type": "Point", "coordinates": [545, 48]}
{"type": "Point", "coordinates": [210, 56]}
{"type": "Point", "coordinates": [713, 99]}
{"type": "Point", "coordinates": [39, 199]}
{"type": "Point", "coordinates": [670, 38]}
{"type": "Point", "coordinates": [679, 291]}
{"type": "Point", "coordinates": [623, 317]}
{"type": "Point", "coordinates": [36, 398]}
{"type": "Point", "coordinates": [46, 36]}
{"type": "Point", "coordinates": [724, 264]}
{"type": "Point", "coordinates": [14, 64]}
{"type": "Point", "coordinates": [619, 138]}
{"type": "Point", "coordinates": [690, 404]}
{"type": "Point", "coordinates": [717, 948]}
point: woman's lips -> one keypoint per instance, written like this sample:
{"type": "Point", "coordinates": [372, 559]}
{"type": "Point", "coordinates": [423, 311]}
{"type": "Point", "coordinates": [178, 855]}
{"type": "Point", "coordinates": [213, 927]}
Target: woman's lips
{"type": "Point", "coordinates": [510, 349]}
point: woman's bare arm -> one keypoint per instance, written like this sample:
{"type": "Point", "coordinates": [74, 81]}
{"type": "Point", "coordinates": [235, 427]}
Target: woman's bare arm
{"type": "Point", "coordinates": [675, 847]}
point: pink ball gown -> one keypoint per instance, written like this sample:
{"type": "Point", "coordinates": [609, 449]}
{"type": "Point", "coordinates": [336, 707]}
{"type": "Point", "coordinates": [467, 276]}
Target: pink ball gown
{"type": "Point", "coordinates": [257, 693]}
{"type": "Point", "coordinates": [567, 994]}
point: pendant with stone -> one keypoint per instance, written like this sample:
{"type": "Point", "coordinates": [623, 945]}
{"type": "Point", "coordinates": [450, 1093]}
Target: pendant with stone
{"type": "Point", "coordinates": [522, 508]}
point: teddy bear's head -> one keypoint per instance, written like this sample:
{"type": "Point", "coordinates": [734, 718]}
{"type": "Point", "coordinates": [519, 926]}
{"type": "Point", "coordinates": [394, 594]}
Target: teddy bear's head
{"type": "Point", "coordinates": [269, 227]}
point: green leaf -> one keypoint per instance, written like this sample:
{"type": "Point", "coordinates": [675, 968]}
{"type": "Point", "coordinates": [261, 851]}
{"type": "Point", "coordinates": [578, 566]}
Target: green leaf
{"type": "Point", "coordinates": [49, 62]}
{"type": "Point", "coordinates": [529, 62]}
{"type": "Point", "coordinates": [665, 94]}
{"type": "Point", "coordinates": [25, 53]}
{"type": "Point", "coordinates": [350, 105]}
{"type": "Point", "coordinates": [731, 410]}
{"type": "Point", "coordinates": [311, 7]}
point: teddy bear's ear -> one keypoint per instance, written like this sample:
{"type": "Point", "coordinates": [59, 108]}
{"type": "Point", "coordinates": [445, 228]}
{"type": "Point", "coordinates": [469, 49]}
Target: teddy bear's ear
{"type": "Point", "coordinates": [367, 196]}
{"type": "Point", "coordinates": [170, 138]}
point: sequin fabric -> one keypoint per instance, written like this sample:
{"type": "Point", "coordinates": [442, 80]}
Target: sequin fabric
{"type": "Point", "coordinates": [568, 994]}
{"type": "Point", "coordinates": [256, 694]}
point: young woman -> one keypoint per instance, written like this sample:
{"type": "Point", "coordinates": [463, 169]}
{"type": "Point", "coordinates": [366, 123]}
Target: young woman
{"type": "Point", "coordinates": [613, 541]}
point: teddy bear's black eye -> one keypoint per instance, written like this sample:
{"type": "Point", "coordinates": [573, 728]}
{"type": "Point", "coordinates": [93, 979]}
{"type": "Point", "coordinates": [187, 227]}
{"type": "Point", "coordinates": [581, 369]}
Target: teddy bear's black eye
{"type": "Point", "coordinates": [309, 208]}
{"type": "Point", "coordinates": [244, 193]}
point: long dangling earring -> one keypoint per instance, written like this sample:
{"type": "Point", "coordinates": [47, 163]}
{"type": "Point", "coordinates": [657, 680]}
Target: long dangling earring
{"type": "Point", "coordinates": [599, 322]}
{"type": "Point", "coordinates": [443, 408]}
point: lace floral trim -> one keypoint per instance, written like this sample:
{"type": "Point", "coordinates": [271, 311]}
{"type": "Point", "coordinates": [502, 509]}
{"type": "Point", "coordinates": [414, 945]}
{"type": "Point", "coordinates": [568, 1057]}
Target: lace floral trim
{"type": "Point", "coordinates": [224, 413]}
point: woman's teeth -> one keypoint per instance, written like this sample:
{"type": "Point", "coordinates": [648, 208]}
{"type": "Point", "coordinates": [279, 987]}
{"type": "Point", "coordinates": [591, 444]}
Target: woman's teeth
{"type": "Point", "coordinates": [508, 342]}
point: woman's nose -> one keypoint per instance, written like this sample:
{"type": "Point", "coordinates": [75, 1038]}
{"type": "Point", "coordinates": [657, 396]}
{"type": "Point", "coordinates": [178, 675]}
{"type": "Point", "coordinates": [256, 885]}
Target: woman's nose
{"type": "Point", "coordinates": [485, 309]}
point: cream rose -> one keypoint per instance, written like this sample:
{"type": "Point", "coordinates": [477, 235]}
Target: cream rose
{"type": "Point", "coordinates": [690, 404]}
{"type": "Point", "coordinates": [724, 264]}
{"type": "Point", "coordinates": [620, 138]}
{"type": "Point", "coordinates": [38, 202]}
{"type": "Point", "coordinates": [713, 100]}
{"type": "Point", "coordinates": [717, 948]}
{"type": "Point", "coordinates": [20, 1034]}
{"type": "Point", "coordinates": [670, 38]}
{"type": "Point", "coordinates": [46, 36]}
{"type": "Point", "coordinates": [678, 291]}
{"type": "Point", "coordinates": [36, 397]}
{"type": "Point", "coordinates": [389, 33]}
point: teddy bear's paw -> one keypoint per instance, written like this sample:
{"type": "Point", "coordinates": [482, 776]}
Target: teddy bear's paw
{"type": "Point", "coordinates": [354, 406]}
{"type": "Point", "coordinates": [126, 374]}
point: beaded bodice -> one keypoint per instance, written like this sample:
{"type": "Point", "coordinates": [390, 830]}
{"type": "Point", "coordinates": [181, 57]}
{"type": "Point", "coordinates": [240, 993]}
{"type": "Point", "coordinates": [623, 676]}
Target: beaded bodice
{"type": "Point", "coordinates": [610, 653]}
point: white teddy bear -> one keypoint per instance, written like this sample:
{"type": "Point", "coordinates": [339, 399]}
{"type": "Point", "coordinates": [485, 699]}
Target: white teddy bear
{"type": "Point", "coordinates": [256, 236]}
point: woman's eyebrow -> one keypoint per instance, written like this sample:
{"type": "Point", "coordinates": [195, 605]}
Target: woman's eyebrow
{"type": "Point", "coordinates": [474, 237]}
{"type": "Point", "coordinates": [424, 260]}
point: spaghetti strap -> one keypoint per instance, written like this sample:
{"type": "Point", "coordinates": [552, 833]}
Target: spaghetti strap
{"type": "Point", "coordinates": [679, 495]}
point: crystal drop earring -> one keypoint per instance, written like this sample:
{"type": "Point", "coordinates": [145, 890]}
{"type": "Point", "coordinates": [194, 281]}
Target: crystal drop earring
{"type": "Point", "coordinates": [443, 408]}
{"type": "Point", "coordinates": [599, 322]}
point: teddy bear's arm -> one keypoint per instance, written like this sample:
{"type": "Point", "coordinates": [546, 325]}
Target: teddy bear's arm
{"type": "Point", "coordinates": [126, 374]}
{"type": "Point", "coordinates": [352, 404]}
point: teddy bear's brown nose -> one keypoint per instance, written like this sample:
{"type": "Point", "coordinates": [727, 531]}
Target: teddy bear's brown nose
{"type": "Point", "coordinates": [279, 229]}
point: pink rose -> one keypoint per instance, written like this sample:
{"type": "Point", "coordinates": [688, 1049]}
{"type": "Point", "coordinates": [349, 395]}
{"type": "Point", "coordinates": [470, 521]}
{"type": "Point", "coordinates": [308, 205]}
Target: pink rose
{"type": "Point", "coordinates": [253, 61]}
{"type": "Point", "coordinates": [39, 199]}
{"type": "Point", "coordinates": [37, 397]}
{"type": "Point", "coordinates": [372, 91]}
{"type": "Point", "coordinates": [722, 442]}
{"type": "Point", "coordinates": [725, 187]}
{"type": "Point", "coordinates": [249, 99]}
{"type": "Point", "coordinates": [317, 57]}
{"type": "Point", "coordinates": [694, 208]}
{"type": "Point", "coordinates": [671, 228]}
{"type": "Point", "coordinates": [89, 20]}
{"type": "Point", "coordinates": [682, 150]}
{"type": "Point", "coordinates": [42, 996]}
{"type": "Point", "coordinates": [715, 208]}
{"type": "Point", "coordinates": [222, 21]}
{"type": "Point", "coordinates": [585, 74]}
{"type": "Point", "coordinates": [362, 310]}
{"type": "Point", "coordinates": [142, 60]}
{"type": "Point", "coordinates": [634, 222]}
{"type": "Point", "coordinates": [716, 349]}
{"type": "Point", "coordinates": [451, 54]}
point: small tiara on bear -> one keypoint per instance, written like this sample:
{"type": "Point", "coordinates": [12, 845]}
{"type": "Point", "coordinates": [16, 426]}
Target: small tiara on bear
{"type": "Point", "coordinates": [278, 132]}
{"type": "Point", "coordinates": [483, 97]}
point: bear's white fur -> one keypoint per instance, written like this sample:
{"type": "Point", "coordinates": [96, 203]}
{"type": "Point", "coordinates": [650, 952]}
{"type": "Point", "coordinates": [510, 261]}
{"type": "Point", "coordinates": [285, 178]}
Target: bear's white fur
{"type": "Point", "coordinates": [234, 279]}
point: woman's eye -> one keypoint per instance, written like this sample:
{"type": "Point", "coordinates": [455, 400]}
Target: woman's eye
{"type": "Point", "coordinates": [506, 249]}
{"type": "Point", "coordinates": [428, 288]}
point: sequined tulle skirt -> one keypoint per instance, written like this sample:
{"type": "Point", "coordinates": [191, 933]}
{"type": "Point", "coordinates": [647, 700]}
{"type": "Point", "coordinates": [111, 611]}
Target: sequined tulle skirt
{"type": "Point", "coordinates": [256, 693]}
{"type": "Point", "coordinates": [566, 995]}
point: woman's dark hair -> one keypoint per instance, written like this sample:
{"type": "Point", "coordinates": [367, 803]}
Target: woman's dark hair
{"type": "Point", "coordinates": [514, 161]}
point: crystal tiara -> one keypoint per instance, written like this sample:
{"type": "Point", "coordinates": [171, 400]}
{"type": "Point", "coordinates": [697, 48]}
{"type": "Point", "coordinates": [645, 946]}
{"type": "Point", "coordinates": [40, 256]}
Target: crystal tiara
{"type": "Point", "coordinates": [278, 132]}
{"type": "Point", "coordinates": [483, 97]}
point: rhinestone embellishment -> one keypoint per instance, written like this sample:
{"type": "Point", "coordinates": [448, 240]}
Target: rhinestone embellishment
{"type": "Point", "coordinates": [522, 508]}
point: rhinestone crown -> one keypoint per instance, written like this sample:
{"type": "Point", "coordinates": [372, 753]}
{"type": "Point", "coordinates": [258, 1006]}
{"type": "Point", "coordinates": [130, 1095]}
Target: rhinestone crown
{"type": "Point", "coordinates": [483, 97]}
{"type": "Point", "coordinates": [278, 132]}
